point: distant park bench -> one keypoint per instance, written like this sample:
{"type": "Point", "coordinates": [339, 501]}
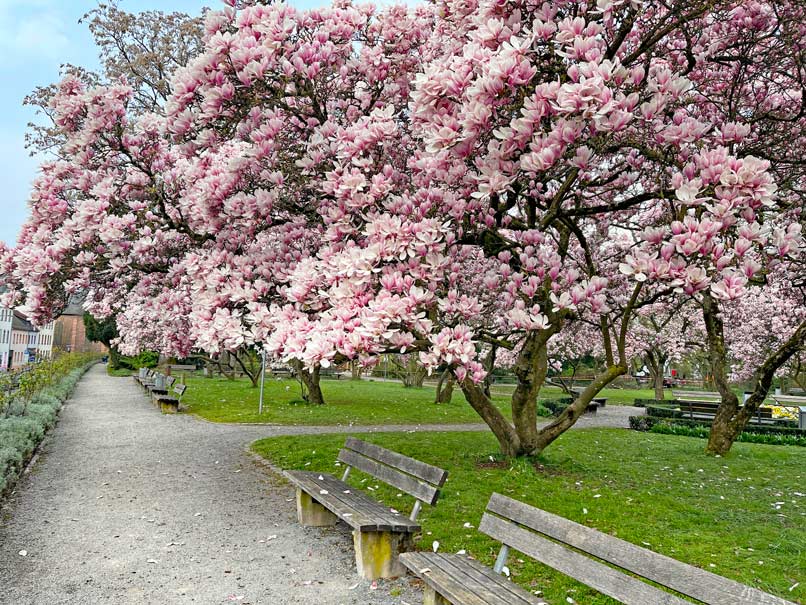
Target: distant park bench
{"type": "Point", "coordinates": [179, 367]}
{"type": "Point", "coordinates": [281, 372]}
{"type": "Point", "coordinates": [332, 373]}
{"type": "Point", "coordinates": [598, 401]}
{"type": "Point", "coordinates": [169, 404]}
{"type": "Point", "coordinates": [158, 386]}
{"type": "Point", "coordinates": [380, 533]}
{"type": "Point", "coordinates": [702, 405]}
{"type": "Point", "coordinates": [571, 549]}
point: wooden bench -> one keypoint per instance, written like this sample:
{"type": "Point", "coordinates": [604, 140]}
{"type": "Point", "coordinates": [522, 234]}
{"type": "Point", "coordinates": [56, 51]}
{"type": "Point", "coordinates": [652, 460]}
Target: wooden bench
{"type": "Point", "coordinates": [697, 396]}
{"type": "Point", "coordinates": [282, 372]}
{"type": "Point", "coordinates": [144, 375]}
{"type": "Point", "coordinates": [179, 367]}
{"type": "Point", "coordinates": [169, 404]}
{"type": "Point", "coordinates": [573, 550]}
{"type": "Point", "coordinates": [380, 533]}
{"type": "Point", "coordinates": [600, 402]}
{"type": "Point", "coordinates": [154, 391]}
{"type": "Point", "coordinates": [706, 410]}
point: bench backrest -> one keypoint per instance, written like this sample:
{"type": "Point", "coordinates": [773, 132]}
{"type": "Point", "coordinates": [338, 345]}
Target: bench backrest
{"type": "Point", "coordinates": [179, 389]}
{"type": "Point", "coordinates": [796, 400]}
{"type": "Point", "coordinates": [416, 478]}
{"type": "Point", "coordinates": [169, 381]}
{"type": "Point", "coordinates": [550, 539]}
{"type": "Point", "coordinates": [696, 395]}
{"type": "Point", "coordinates": [708, 407]}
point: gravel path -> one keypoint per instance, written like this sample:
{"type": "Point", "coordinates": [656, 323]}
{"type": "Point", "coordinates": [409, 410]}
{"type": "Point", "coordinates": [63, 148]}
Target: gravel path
{"type": "Point", "coordinates": [126, 505]}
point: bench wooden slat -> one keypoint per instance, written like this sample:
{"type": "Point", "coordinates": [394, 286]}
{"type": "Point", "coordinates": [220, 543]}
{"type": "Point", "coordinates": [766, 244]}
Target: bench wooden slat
{"type": "Point", "coordinates": [427, 472]}
{"type": "Point", "coordinates": [356, 509]}
{"type": "Point", "coordinates": [608, 581]}
{"type": "Point", "coordinates": [450, 585]}
{"type": "Point", "coordinates": [681, 577]}
{"type": "Point", "coordinates": [495, 588]}
{"type": "Point", "coordinates": [412, 486]}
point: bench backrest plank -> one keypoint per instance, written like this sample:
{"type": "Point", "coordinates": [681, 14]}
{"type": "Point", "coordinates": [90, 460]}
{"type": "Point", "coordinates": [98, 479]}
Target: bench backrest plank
{"type": "Point", "coordinates": [681, 577]}
{"type": "Point", "coordinates": [416, 478]}
{"type": "Point", "coordinates": [709, 407]}
{"type": "Point", "coordinates": [169, 381]}
{"type": "Point", "coordinates": [179, 389]}
{"type": "Point", "coordinates": [697, 395]}
{"type": "Point", "coordinates": [795, 399]}
{"type": "Point", "coordinates": [598, 576]}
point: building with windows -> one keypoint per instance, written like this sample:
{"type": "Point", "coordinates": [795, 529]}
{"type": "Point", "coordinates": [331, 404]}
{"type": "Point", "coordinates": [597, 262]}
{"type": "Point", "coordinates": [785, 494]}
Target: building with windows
{"type": "Point", "coordinates": [6, 316]}
{"type": "Point", "coordinates": [27, 343]}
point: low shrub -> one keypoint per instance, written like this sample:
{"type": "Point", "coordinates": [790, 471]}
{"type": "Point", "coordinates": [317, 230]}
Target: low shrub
{"type": "Point", "coordinates": [556, 406]}
{"type": "Point", "coordinates": [23, 425]}
{"type": "Point", "coordinates": [642, 403]}
{"type": "Point", "coordinates": [146, 359]}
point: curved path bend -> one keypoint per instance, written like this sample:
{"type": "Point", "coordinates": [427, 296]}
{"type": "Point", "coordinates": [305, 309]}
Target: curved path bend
{"type": "Point", "coordinates": [127, 506]}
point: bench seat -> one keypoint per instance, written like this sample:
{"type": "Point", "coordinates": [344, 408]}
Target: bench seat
{"type": "Point", "coordinates": [459, 579]}
{"type": "Point", "coordinates": [380, 534]}
{"type": "Point", "coordinates": [352, 506]}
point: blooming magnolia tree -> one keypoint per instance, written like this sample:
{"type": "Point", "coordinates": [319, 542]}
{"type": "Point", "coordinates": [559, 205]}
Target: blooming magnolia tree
{"type": "Point", "coordinates": [452, 181]}
{"type": "Point", "coordinates": [665, 333]}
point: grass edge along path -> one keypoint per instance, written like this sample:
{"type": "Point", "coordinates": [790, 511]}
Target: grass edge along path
{"type": "Point", "coordinates": [742, 517]}
{"type": "Point", "coordinates": [348, 402]}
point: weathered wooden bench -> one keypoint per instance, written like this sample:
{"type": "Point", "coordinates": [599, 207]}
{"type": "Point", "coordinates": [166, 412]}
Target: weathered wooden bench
{"type": "Point", "coordinates": [179, 367]}
{"type": "Point", "coordinates": [143, 376]}
{"type": "Point", "coordinates": [697, 395]}
{"type": "Point", "coordinates": [599, 402]}
{"type": "Point", "coordinates": [169, 404]}
{"type": "Point", "coordinates": [706, 410]}
{"type": "Point", "coordinates": [585, 554]}
{"type": "Point", "coordinates": [154, 391]}
{"type": "Point", "coordinates": [380, 533]}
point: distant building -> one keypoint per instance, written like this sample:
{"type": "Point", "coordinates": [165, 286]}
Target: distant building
{"type": "Point", "coordinates": [26, 343]}
{"type": "Point", "coordinates": [6, 316]}
{"type": "Point", "coordinates": [69, 333]}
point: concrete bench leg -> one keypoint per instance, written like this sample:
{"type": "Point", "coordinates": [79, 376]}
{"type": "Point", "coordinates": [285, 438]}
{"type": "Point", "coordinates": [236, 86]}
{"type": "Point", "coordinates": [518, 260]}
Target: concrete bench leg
{"type": "Point", "coordinates": [311, 513]}
{"type": "Point", "coordinates": [376, 553]}
{"type": "Point", "coordinates": [169, 408]}
{"type": "Point", "coordinates": [432, 597]}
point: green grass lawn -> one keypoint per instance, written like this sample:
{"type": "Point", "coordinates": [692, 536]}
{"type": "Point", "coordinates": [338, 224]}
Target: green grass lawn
{"type": "Point", "coordinates": [347, 402]}
{"type": "Point", "coordinates": [742, 517]}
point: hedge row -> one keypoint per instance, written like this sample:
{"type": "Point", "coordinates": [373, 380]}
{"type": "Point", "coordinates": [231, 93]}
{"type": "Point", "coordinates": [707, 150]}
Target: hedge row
{"type": "Point", "coordinates": [770, 434]}
{"type": "Point", "coordinates": [21, 433]}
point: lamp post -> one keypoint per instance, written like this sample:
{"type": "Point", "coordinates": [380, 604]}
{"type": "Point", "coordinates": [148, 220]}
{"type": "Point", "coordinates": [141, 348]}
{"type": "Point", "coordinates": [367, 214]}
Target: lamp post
{"type": "Point", "coordinates": [262, 379]}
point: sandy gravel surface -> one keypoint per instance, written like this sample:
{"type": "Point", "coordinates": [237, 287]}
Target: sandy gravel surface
{"type": "Point", "coordinates": [125, 505]}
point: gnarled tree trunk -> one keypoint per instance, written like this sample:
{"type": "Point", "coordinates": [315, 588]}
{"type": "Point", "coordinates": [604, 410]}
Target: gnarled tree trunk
{"type": "Point", "coordinates": [444, 387]}
{"type": "Point", "coordinates": [656, 362]}
{"type": "Point", "coordinates": [309, 381]}
{"type": "Point", "coordinates": [731, 418]}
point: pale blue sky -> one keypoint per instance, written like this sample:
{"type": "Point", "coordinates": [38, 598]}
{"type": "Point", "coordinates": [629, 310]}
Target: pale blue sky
{"type": "Point", "coordinates": [36, 37]}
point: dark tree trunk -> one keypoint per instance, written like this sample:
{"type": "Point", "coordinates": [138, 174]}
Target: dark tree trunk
{"type": "Point", "coordinates": [250, 365]}
{"type": "Point", "coordinates": [656, 362]}
{"type": "Point", "coordinates": [355, 370]}
{"type": "Point", "coordinates": [731, 418]}
{"type": "Point", "coordinates": [444, 387]}
{"type": "Point", "coordinates": [114, 357]}
{"type": "Point", "coordinates": [309, 380]}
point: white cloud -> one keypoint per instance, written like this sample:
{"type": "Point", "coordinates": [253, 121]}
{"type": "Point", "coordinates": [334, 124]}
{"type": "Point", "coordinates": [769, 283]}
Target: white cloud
{"type": "Point", "coordinates": [32, 30]}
